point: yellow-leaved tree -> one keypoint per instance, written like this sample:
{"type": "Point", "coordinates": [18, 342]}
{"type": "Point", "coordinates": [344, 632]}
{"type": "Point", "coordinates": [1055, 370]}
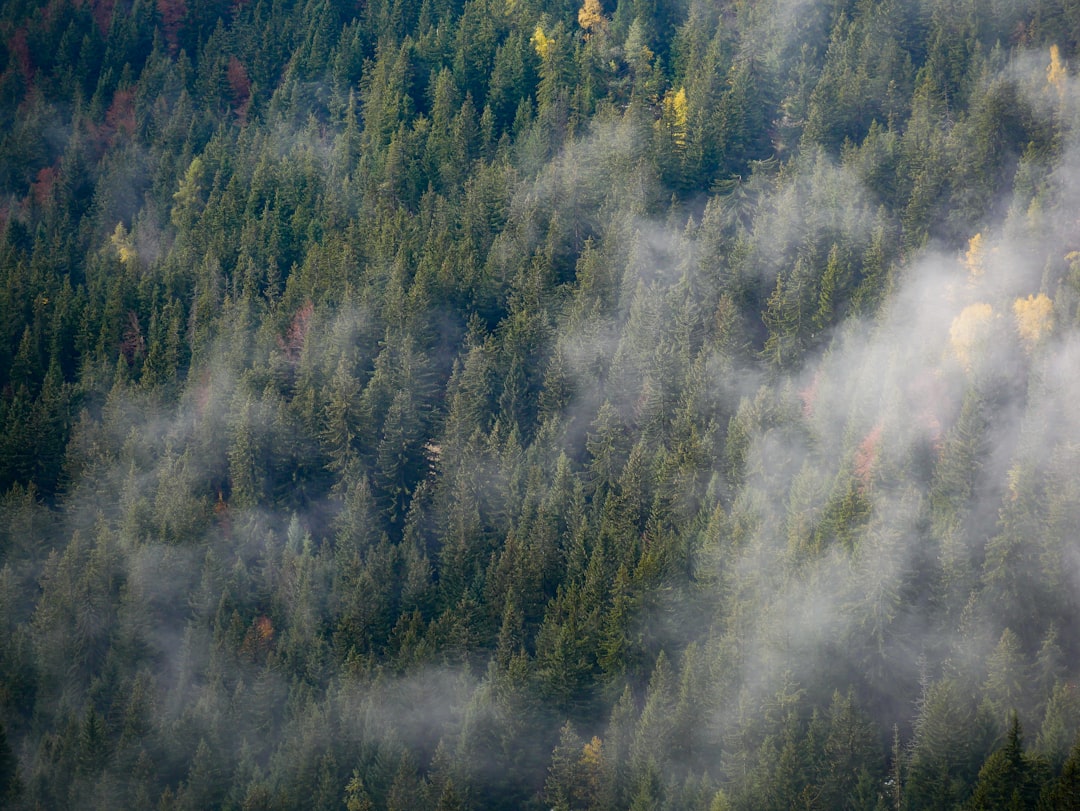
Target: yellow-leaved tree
{"type": "Point", "coordinates": [1056, 72]}
{"type": "Point", "coordinates": [1034, 319]}
{"type": "Point", "coordinates": [676, 114]}
{"type": "Point", "coordinates": [975, 256]}
{"type": "Point", "coordinates": [124, 244]}
{"type": "Point", "coordinates": [541, 42]}
{"type": "Point", "coordinates": [969, 330]}
{"type": "Point", "coordinates": [591, 18]}
{"type": "Point", "coordinates": [594, 770]}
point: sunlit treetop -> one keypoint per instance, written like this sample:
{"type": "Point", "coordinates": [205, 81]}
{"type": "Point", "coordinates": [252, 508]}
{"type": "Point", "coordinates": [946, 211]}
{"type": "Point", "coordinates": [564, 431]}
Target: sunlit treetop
{"type": "Point", "coordinates": [975, 256]}
{"type": "Point", "coordinates": [676, 112]}
{"type": "Point", "coordinates": [541, 42]}
{"type": "Point", "coordinates": [591, 18]}
{"type": "Point", "coordinates": [1056, 73]}
{"type": "Point", "coordinates": [125, 247]}
{"type": "Point", "coordinates": [1034, 317]}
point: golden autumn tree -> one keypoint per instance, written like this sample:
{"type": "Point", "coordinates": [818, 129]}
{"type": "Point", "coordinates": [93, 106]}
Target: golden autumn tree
{"type": "Point", "coordinates": [676, 115]}
{"type": "Point", "coordinates": [594, 772]}
{"type": "Point", "coordinates": [124, 245]}
{"type": "Point", "coordinates": [1034, 318]}
{"type": "Point", "coordinates": [1056, 72]}
{"type": "Point", "coordinates": [541, 42]}
{"type": "Point", "coordinates": [591, 17]}
{"type": "Point", "coordinates": [969, 330]}
{"type": "Point", "coordinates": [975, 256]}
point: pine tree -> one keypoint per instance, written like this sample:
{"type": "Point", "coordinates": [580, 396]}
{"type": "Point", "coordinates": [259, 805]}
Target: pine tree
{"type": "Point", "coordinates": [564, 783]}
{"type": "Point", "coordinates": [1008, 778]}
{"type": "Point", "coordinates": [1063, 793]}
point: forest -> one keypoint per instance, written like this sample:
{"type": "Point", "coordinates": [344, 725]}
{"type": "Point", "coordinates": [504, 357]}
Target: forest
{"type": "Point", "coordinates": [540, 404]}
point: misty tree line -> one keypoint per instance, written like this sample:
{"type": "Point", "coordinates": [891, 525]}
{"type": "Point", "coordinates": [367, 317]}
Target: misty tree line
{"type": "Point", "coordinates": [513, 404]}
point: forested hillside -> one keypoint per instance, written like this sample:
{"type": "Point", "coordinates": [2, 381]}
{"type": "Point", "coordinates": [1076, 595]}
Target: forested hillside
{"type": "Point", "coordinates": [519, 404]}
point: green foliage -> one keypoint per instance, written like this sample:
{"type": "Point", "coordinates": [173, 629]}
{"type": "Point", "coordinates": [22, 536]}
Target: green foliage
{"type": "Point", "coordinates": [500, 404]}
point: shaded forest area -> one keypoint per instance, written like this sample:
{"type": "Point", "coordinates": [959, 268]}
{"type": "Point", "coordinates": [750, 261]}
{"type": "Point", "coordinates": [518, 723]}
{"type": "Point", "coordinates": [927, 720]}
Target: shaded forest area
{"type": "Point", "coordinates": [518, 404]}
